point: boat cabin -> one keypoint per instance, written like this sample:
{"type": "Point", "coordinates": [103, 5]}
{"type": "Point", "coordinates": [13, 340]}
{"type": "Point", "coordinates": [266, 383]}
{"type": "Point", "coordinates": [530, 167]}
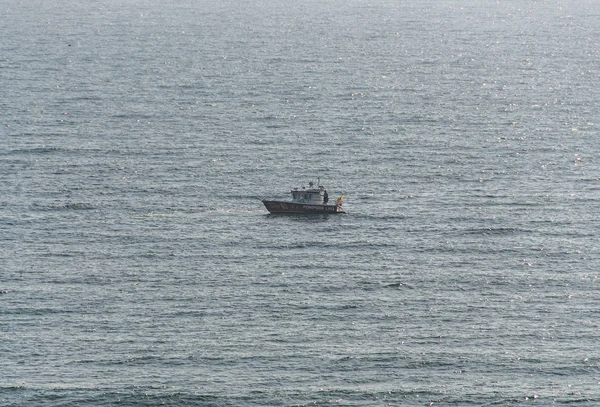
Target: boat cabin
{"type": "Point", "coordinates": [314, 196]}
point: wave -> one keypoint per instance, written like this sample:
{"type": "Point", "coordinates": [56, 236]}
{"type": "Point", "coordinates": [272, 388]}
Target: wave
{"type": "Point", "coordinates": [493, 231]}
{"type": "Point", "coordinates": [71, 206]}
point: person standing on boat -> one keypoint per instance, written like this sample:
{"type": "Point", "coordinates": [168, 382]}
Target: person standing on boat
{"type": "Point", "coordinates": [325, 198]}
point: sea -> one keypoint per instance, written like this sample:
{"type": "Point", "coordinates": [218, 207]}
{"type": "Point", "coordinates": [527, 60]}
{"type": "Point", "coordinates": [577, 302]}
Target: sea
{"type": "Point", "coordinates": [139, 267]}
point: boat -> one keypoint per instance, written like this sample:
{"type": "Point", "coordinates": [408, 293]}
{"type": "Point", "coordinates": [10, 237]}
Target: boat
{"type": "Point", "coordinates": [306, 200]}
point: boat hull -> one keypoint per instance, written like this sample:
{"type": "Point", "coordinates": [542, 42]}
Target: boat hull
{"type": "Point", "coordinates": [293, 207]}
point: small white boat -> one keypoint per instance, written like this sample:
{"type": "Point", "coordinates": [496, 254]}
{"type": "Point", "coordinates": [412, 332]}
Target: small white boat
{"type": "Point", "coordinates": [306, 200]}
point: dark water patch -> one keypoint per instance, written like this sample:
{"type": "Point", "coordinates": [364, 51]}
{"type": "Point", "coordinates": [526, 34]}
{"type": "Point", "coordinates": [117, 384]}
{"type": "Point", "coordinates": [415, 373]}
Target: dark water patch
{"type": "Point", "coordinates": [67, 254]}
{"type": "Point", "coordinates": [78, 206]}
{"type": "Point", "coordinates": [70, 206]}
{"type": "Point", "coordinates": [495, 231]}
{"type": "Point", "coordinates": [107, 396]}
{"type": "Point", "coordinates": [40, 151]}
{"type": "Point", "coordinates": [384, 216]}
{"type": "Point", "coordinates": [397, 286]}
{"type": "Point", "coordinates": [40, 311]}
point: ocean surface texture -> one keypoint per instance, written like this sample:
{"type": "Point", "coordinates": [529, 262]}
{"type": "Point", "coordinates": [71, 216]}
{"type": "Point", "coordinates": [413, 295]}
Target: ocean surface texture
{"type": "Point", "coordinates": [138, 266]}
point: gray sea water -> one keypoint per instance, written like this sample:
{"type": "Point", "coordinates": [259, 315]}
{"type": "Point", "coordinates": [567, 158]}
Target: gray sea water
{"type": "Point", "coordinates": [138, 266]}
